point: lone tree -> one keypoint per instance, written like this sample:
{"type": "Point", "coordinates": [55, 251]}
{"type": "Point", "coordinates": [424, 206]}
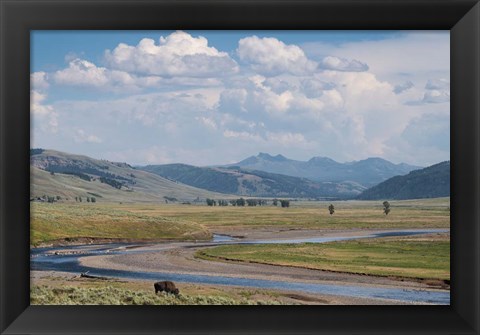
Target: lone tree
{"type": "Point", "coordinates": [285, 203]}
{"type": "Point", "coordinates": [386, 207]}
{"type": "Point", "coordinates": [331, 209]}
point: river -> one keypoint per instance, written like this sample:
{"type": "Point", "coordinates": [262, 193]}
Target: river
{"type": "Point", "coordinates": [44, 259]}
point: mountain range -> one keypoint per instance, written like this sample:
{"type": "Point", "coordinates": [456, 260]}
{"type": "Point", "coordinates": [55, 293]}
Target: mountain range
{"type": "Point", "coordinates": [234, 180]}
{"type": "Point", "coordinates": [367, 172]}
{"type": "Point", "coordinates": [64, 175]}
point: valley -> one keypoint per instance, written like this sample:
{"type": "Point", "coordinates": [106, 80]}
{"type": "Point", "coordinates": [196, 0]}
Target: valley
{"type": "Point", "coordinates": [231, 235]}
{"type": "Point", "coordinates": [187, 261]}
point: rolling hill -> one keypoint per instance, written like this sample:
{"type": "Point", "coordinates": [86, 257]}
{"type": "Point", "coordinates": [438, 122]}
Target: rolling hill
{"type": "Point", "coordinates": [55, 173]}
{"type": "Point", "coordinates": [430, 182]}
{"type": "Point", "coordinates": [234, 180]}
{"type": "Point", "coordinates": [367, 172]}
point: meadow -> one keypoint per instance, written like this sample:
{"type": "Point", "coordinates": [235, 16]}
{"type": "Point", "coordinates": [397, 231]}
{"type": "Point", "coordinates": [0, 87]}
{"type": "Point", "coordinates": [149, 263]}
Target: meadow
{"type": "Point", "coordinates": [433, 213]}
{"type": "Point", "coordinates": [158, 221]}
{"type": "Point", "coordinates": [421, 257]}
{"type": "Point", "coordinates": [54, 223]}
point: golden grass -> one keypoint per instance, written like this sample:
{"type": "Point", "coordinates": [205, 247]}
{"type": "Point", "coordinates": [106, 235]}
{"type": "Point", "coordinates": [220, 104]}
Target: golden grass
{"type": "Point", "coordinates": [174, 221]}
{"type": "Point", "coordinates": [432, 213]}
{"type": "Point", "coordinates": [50, 222]}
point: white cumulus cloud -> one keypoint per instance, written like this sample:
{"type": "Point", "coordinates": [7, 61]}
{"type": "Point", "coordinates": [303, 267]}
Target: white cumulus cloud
{"type": "Point", "coordinates": [178, 54]}
{"type": "Point", "coordinates": [269, 56]}
{"type": "Point", "coordinates": [84, 73]}
{"type": "Point", "coordinates": [341, 64]}
{"type": "Point", "coordinates": [44, 116]}
{"type": "Point", "coordinates": [39, 81]}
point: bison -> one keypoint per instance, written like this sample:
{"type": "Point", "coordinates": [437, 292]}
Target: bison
{"type": "Point", "coordinates": [165, 286]}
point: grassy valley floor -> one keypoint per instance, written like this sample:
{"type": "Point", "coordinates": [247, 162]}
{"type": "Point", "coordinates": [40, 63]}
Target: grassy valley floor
{"type": "Point", "coordinates": [83, 223]}
{"type": "Point", "coordinates": [425, 257]}
{"type": "Point", "coordinates": [413, 262]}
{"type": "Point", "coordinates": [66, 221]}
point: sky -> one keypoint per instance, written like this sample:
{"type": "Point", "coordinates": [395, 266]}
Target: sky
{"type": "Point", "coordinates": [217, 97]}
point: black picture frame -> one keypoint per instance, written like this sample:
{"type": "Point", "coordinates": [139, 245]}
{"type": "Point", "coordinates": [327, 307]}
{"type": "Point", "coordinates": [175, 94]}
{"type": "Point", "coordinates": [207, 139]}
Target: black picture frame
{"type": "Point", "coordinates": [18, 17]}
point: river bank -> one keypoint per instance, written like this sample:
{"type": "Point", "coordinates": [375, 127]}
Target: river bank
{"type": "Point", "coordinates": [176, 261]}
{"type": "Point", "coordinates": [57, 282]}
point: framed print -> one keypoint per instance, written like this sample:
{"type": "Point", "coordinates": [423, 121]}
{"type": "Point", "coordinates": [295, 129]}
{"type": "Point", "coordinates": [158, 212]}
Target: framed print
{"type": "Point", "coordinates": [302, 155]}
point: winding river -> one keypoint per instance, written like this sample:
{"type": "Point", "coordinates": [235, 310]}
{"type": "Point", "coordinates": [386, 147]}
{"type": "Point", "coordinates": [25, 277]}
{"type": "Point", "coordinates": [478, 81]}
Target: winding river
{"type": "Point", "coordinates": [44, 259]}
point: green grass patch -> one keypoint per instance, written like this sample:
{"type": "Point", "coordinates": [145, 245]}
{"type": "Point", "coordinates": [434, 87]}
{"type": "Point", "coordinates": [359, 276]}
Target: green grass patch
{"type": "Point", "coordinates": [383, 257]}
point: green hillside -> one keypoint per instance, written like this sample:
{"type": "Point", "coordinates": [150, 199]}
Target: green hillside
{"type": "Point", "coordinates": [68, 222]}
{"type": "Point", "coordinates": [68, 176]}
{"type": "Point", "coordinates": [431, 182]}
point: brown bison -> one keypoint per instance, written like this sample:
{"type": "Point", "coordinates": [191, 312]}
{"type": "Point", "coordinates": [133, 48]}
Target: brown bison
{"type": "Point", "coordinates": [165, 286]}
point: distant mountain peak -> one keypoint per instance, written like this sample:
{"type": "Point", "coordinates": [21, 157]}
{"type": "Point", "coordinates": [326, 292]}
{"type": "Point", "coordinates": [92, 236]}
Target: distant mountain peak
{"type": "Point", "coordinates": [319, 159]}
{"type": "Point", "coordinates": [277, 158]}
{"type": "Point", "coordinates": [375, 159]}
{"type": "Point", "coordinates": [367, 172]}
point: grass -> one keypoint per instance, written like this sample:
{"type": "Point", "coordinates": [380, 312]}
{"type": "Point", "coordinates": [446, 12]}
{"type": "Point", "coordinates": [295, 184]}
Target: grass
{"type": "Point", "coordinates": [110, 295]}
{"type": "Point", "coordinates": [53, 222]}
{"type": "Point", "coordinates": [414, 257]}
{"type": "Point", "coordinates": [432, 213]}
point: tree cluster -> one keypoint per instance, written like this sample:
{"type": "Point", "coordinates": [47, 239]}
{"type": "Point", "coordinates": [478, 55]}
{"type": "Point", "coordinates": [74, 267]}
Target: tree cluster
{"type": "Point", "coordinates": [89, 199]}
{"type": "Point", "coordinates": [211, 202]}
{"type": "Point", "coordinates": [237, 202]}
{"type": "Point", "coordinates": [111, 182]}
{"type": "Point", "coordinates": [256, 202]}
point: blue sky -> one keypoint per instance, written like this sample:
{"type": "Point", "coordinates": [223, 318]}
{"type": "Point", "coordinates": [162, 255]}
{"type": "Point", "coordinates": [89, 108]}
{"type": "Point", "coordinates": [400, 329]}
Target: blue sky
{"type": "Point", "coordinates": [215, 97]}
